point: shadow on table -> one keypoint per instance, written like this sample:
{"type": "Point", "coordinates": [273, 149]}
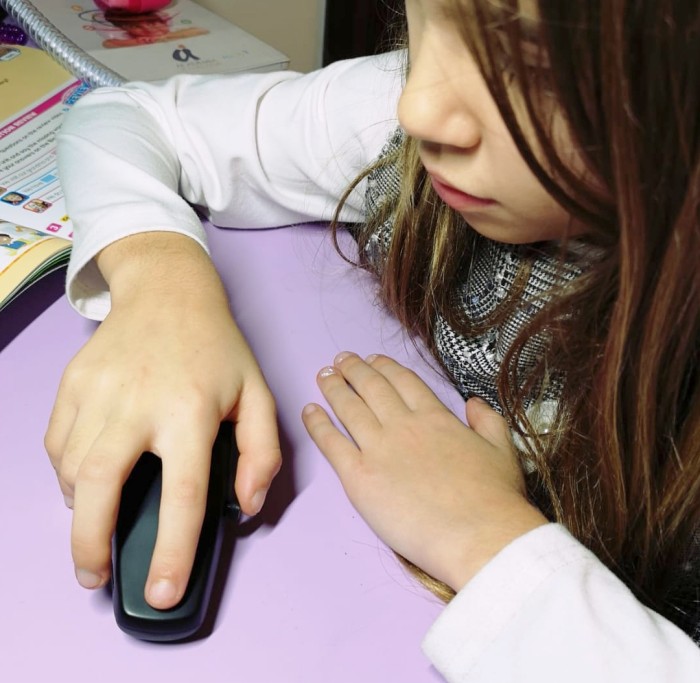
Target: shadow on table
{"type": "Point", "coordinates": [282, 493]}
{"type": "Point", "coordinates": [29, 305]}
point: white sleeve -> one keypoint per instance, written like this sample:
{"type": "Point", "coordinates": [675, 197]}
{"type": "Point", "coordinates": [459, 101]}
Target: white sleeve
{"type": "Point", "coordinates": [545, 609]}
{"type": "Point", "coordinates": [252, 150]}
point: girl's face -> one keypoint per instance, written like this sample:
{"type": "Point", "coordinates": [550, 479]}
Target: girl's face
{"type": "Point", "coordinates": [463, 142]}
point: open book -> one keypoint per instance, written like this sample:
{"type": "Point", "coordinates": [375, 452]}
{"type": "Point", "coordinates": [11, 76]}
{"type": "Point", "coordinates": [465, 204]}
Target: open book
{"type": "Point", "coordinates": [26, 255]}
{"type": "Point", "coordinates": [35, 231]}
{"type": "Point", "coordinates": [35, 93]}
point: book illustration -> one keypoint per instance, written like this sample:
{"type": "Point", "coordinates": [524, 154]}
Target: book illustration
{"type": "Point", "coordinates": [118, 28]}
{"type": "Point", "coordinates": [35, 94]}
{"type": "Point", "coordinates": [15, 240]}
{"type": "Point", "coordinates": [182, 38]}
{"type": "Point", "coordinates": [26, 255]}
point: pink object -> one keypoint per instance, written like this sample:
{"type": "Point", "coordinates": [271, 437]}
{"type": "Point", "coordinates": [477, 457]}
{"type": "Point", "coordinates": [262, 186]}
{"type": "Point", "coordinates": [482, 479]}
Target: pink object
{"type": "Point", "coordinates": [132, 5]}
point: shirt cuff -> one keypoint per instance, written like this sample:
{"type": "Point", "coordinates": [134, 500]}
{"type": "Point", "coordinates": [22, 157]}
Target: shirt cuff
{"type": "Point", "coordinates": [477, 615]}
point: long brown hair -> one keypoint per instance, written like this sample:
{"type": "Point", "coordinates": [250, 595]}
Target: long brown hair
{"type": "Point", "coordinates": [621, 466]}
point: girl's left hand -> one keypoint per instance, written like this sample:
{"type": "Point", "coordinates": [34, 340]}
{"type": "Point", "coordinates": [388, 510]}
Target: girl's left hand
{"type": "Point", "coordinates": [445, 496]}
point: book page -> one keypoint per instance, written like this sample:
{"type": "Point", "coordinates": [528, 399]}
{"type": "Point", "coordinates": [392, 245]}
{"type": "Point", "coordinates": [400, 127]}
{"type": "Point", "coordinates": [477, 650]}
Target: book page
{"type": "Point", "coordinates": [35, 92]}
{"type": "Point", "coordinates": [26, 255]}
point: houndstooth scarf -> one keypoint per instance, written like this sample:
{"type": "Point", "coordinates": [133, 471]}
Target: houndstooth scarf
{"type": "Point", "coordinates": [474, 363]}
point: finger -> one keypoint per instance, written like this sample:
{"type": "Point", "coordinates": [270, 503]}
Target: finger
{"type": "Point", "coordinates": [182, 507]}
{"type": "Point", "coordinates": [98, 488]}
{"type": "Point", "coordinates": [86, 429]}
{"type": "Point", "coordinates": [487, 423]}
{"type": "Point", "coordinates": [63, 416]}
{"type": "Point", "coordinates": [335, 446]}
{"type": "Point", "coordinates": [414, 392]}
{"type": "Point", "coordinates": [350, 408]}
{"type": "Point", "coordinates": [57, 433]}
{"type": "Point", "coordinates": [67, 491]}
{"type": "Point", "coordinates": [258, 443]}
{"type": "Point", "coordinates": [371, 386]}
{"type": "Point", "coordinates": [60, 425]}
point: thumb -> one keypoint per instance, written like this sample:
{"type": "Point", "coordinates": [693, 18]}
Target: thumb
{"type": "Point", "coordinates": [487, 423]}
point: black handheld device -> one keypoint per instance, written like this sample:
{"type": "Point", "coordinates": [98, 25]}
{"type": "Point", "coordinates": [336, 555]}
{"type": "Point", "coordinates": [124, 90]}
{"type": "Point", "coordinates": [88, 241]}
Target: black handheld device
{"type": "Point", "coordinates": [135, 536]}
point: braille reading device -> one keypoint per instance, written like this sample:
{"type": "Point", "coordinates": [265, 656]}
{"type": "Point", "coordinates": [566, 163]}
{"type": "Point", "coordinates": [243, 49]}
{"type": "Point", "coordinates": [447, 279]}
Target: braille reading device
{"type": "Point", "coordinates": [135, 537]}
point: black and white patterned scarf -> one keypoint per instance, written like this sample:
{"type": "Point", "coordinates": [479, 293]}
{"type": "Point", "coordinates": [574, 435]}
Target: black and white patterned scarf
{"type": "Point", "coordinates": [474, 363]}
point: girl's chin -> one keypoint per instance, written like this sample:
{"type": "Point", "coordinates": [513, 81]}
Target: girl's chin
{"type": "Point", "coordinates": [514, 231]}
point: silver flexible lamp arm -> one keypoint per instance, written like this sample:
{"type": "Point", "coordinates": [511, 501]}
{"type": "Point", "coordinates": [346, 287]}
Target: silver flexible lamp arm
{"type": "Point", "coordinates": [60, 47]}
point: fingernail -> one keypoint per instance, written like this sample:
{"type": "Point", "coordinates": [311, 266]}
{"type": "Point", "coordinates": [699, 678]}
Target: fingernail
{"type": "Point", "coordinates": [257, 501]}
{"type": "Point", "coordinates": [309, 409]}
{"type": "Point", "coordinates": [68, 501]}
{"type": "Point", "coordinates": [162, 592]}
{"type": "Point", "coordinates": [341, 357]}
{"type": "Point", "coordinates": [371, 358]}
{"type": "Point", "coordinates": [88, 579]}
{"type": "Point", "coordinates": [327, 371]}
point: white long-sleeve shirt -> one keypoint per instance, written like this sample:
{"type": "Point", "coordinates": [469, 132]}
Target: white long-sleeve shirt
{"type": "Point", "coordinates": [264, 150]}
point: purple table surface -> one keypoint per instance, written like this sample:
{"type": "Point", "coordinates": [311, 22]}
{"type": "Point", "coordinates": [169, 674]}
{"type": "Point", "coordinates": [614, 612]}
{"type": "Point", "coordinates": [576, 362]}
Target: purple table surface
{"type": "Point", "coordinates": [309, 593]}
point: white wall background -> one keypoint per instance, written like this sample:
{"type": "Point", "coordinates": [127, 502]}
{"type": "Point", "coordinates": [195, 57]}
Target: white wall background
{"type": "Point", "coordinates": [294, 27]}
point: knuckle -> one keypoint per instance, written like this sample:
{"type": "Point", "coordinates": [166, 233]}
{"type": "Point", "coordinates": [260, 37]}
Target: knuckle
{"type": "Point", "coordinates": [407, 373]}
{"type": "Point", "coordinates": [67, 469]}
{"type": "Point", "coordinates": [52, 445]}
{"type": "Point", "coordinates": [276, 464]}
{"type": "Point", "coordinates": [271, 460]}
{"type": "Point", "coordinates": [73, 377]}
{"type": "Point", "coordinates": [275, 456]}
{"type": "Point", "coordinates": [67, 488]}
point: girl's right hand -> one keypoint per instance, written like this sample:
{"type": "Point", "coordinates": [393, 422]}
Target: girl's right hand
{"type": "Point", "coordinates": [166, 366]}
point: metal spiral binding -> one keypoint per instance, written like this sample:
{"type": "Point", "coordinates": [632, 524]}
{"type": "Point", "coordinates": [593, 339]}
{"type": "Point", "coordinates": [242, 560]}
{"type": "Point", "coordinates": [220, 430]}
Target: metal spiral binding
{"type": "Point", "coordinates": [59, 46]}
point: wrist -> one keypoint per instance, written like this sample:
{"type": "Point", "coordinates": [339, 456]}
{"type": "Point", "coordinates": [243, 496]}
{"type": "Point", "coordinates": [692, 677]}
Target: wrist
{"type": "Point", "coordinates": [489, 541]}
{"type": "Point", "coordinates": [163, 263]}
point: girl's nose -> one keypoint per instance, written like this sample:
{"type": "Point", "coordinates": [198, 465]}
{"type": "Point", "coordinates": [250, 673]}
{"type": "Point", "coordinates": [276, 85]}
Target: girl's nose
{"type": "Point", "coordinates": [439, 103]}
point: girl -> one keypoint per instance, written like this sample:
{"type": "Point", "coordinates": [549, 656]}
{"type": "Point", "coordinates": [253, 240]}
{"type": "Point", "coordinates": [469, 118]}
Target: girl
{"type": "Point", "coordinates": [531, 212]}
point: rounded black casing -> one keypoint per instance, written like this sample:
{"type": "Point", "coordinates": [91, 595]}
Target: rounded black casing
{"type": "Point", "coordinates": [135, 536]}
